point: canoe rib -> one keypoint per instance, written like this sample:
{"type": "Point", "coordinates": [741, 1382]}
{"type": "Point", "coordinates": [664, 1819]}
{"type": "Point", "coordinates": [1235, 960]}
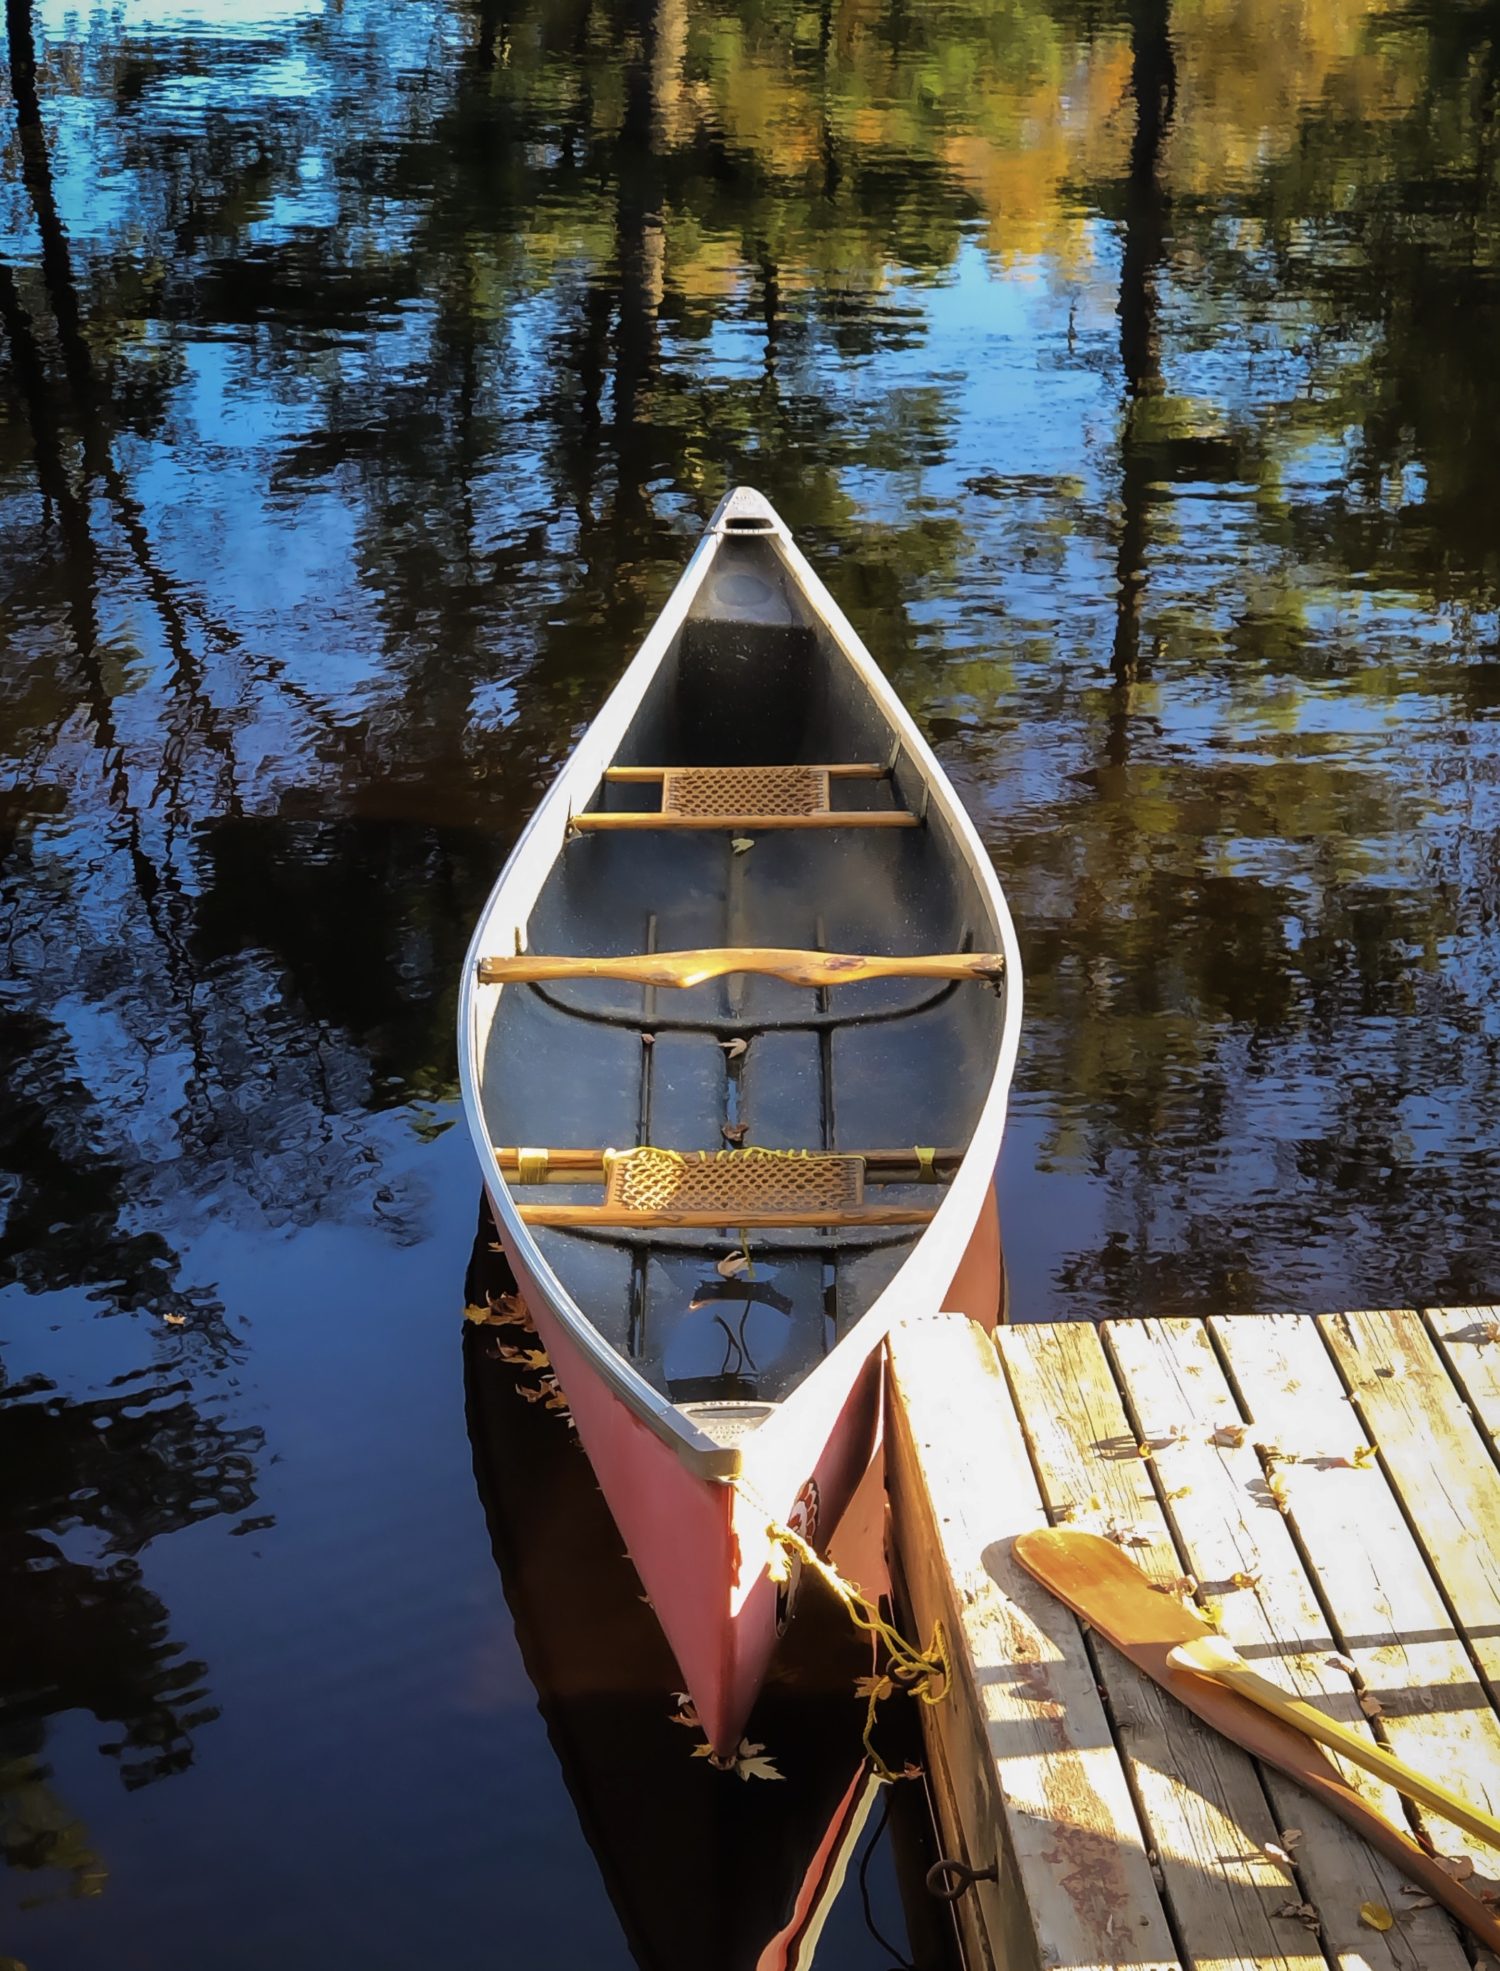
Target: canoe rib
{"type": "Point", "coordinates": [690, 968]}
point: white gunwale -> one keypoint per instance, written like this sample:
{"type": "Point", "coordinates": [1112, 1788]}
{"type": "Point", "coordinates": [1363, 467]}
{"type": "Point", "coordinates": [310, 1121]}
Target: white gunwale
{"type": "Point", "coordinates": [502, 922]}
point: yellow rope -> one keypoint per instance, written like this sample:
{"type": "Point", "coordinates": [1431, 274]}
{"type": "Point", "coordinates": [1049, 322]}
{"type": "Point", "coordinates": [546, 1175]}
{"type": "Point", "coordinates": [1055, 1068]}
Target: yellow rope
{"type": "Point", "coordinates": [924, 1673]}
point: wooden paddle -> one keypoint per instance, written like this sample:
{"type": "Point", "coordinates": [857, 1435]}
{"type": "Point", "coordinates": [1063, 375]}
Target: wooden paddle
{"type": "Point", "coordinates": [690, 968]}
{"type": "Point", "coordinates": [1218, 1659]}
{"type": "Point", "coordinates": [1109, 1592]}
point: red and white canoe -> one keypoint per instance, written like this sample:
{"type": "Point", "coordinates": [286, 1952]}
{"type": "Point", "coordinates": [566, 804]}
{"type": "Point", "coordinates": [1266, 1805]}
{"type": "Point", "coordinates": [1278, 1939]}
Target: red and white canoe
{"type": "Point", "coordinates": [749, 916]}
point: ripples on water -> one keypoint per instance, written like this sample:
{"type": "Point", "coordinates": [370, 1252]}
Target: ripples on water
{"type": "Point", "coordinates": [367, 373]}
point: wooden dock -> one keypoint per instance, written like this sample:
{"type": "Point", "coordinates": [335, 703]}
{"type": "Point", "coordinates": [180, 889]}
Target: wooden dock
{"type": "Point", "coordinates": [1328, 1489]}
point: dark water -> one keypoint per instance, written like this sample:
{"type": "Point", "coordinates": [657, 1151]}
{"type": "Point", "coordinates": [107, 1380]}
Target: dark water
{"type": "Point", "coordinates": [1129, 370]}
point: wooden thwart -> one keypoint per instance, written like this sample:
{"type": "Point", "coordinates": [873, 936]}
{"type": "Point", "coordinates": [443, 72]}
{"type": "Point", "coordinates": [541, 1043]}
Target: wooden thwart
{"type": "Point", "coordinates": [728, 1219]}
{"type": "Point", "coordinates": [593, 820]}
{"type": "Point", "coordinates": [523, 1165]}
{"type": "Point", "coordinates": [849, 770]}
{"type": "Point", "coordinates": [690, 968]}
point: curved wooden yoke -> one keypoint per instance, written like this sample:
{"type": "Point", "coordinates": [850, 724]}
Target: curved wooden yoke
{"type": "Point", "coordinates": [690, 968]}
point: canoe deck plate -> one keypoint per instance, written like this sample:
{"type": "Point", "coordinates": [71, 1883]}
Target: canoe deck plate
{"type": "Point", "coordinates": [745, 790]}
{"type": "Point", "coordinates": [651, 1179]}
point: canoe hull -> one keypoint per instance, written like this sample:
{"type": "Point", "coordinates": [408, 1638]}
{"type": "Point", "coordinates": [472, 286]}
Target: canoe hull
{"type": "Point", "coordinates": [708, 1410]}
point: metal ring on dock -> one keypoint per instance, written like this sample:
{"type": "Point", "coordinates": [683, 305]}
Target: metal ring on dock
{"type": "Point", "coordinates": [946, 1891]}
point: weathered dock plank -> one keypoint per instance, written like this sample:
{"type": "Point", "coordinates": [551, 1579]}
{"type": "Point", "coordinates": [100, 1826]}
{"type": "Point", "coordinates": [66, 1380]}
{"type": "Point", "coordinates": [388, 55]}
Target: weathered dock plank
{"type": "Point", "coordinates": [1200, 1795]}
{"type": "Point", "coordinates": [1026, 1725]}
{"type": "Point", "coordinates": [1276, 1468]}
{"type": "Point", "coordinates": [1439, 1463]}
{"type": "Point", "coordinates": [1387, 1611]}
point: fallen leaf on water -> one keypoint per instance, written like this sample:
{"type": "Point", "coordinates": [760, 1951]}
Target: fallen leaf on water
{"type": "Point", "coordinates": [501, 1311]}
{"type": "Point", "coordinates": [740, 843]}
{"type": "Point", "coordinates": [750, 1765]}
{"type": "Point", "coordinates": [732, 1263]}
{"type": "Point", "coordinates": [175, 1320]}
{"type": "Point", "coordinates": [1375, 1916]}
{"type": "Point", "coordinates": [734, 1048]}
{"type": "Point", "coordinates": [749, 1762]}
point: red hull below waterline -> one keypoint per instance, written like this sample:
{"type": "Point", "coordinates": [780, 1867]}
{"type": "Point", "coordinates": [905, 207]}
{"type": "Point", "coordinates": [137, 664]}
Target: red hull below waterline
{"type": "Point", "coordinates": [700, 1546]}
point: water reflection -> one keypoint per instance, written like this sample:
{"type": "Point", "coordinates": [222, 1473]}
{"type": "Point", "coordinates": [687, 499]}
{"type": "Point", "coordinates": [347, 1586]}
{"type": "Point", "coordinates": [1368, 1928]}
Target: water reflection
{"type": "Point", "coordinates": [701, 1867]}
{"type": "Point", "coordinates": [366, 372]}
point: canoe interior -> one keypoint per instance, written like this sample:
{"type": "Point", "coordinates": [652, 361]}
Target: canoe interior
{"type": "Point", "coordinates": [752, 678]}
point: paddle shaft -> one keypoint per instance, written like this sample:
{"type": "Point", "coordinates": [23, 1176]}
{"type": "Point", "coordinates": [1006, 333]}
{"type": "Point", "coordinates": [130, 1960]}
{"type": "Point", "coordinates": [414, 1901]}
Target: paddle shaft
{"type": "Point", "coordinates": [1216, 1660]}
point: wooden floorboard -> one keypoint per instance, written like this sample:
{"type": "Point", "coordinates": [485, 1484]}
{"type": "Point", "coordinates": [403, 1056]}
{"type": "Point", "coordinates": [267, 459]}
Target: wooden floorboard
{"type": "Point", "coordinates": [1329, 1491]}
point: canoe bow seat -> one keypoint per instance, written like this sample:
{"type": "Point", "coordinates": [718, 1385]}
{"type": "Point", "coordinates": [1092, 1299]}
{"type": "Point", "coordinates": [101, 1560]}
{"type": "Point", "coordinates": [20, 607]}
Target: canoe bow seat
{"type": "Point", "coordinates": [746, 797]}
{"type": "Point", "coordinates": [720, 791]}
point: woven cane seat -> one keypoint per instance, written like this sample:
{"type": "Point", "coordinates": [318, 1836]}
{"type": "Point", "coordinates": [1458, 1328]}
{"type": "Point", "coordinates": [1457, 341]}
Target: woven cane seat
{"type": "Point", "coordinates": [650, 1179]}
{"type": "Point", "coordinates": [745, 790]}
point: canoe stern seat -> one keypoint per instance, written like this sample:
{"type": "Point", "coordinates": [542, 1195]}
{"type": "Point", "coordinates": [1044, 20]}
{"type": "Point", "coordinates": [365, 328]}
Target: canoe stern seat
{"type": "Point", "coordinates": [751, 1180]}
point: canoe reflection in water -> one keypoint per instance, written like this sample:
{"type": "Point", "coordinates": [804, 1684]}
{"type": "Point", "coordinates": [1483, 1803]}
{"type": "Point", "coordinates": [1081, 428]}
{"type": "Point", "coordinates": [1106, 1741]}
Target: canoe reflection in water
{"type": "Point", "coordinates": [703, 1868]}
